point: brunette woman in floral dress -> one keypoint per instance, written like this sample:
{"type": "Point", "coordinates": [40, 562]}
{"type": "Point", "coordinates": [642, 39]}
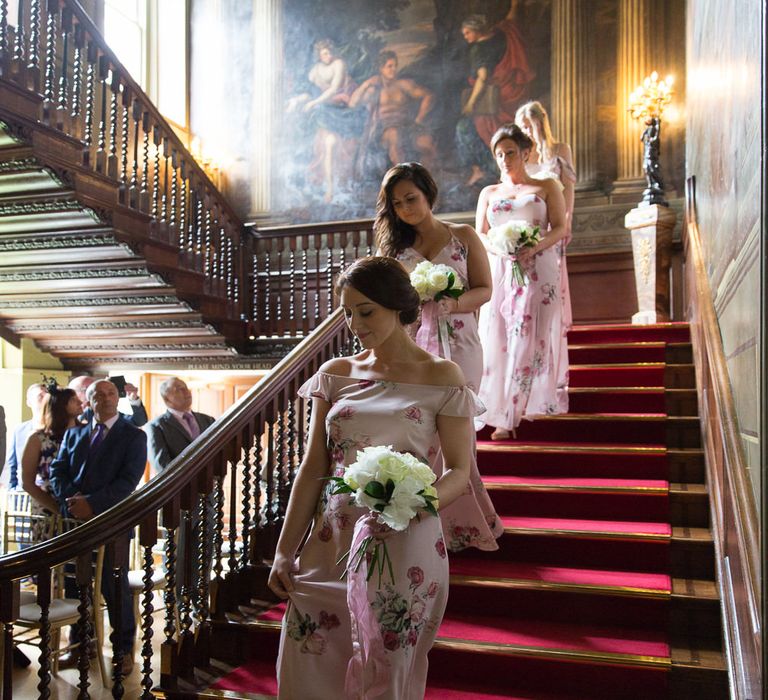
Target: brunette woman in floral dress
{"type": "Point", "coordinates": [407, 229]}
{"type": "Point", "coordinates": [522, 327]}
{"type": "Point", "coordinates": [392, 393]}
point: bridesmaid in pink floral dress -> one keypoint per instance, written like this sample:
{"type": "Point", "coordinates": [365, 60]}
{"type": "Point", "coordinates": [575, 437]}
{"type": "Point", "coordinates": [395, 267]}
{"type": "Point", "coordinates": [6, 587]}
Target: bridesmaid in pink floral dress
{"type": "Point", "coordinates": [522, 327]}
{"type": "Point", "coordinates": [392, 393]}
{"type": "Point", "coordinates": [407, 229]}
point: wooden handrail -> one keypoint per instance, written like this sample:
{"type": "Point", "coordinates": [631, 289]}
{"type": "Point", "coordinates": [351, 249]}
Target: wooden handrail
{"type": "Point", "coordinates": [309, 229]}
{"type": "Point", "coordinates": [181, 473]}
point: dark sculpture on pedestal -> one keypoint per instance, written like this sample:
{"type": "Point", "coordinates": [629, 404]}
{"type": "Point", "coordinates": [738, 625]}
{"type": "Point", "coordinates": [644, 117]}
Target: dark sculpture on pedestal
{"type": "Point", "coordinates": [651, 137]}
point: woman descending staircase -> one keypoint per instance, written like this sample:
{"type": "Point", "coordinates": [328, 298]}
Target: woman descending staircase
{"type": "Point", "coordinates": [604, 582]}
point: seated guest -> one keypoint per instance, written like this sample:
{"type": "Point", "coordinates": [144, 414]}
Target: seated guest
{"type": "Point", "coordinates": [100, 464]}
{"type": "Point", "coordinates": [35, 395]}
{"type": "Point", "coordinates": [80, 385]}
{"type": "Point", "coordinates": [171, 432]}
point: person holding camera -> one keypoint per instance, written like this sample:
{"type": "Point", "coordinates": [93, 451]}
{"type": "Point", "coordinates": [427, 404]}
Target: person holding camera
{"type": "Point", "coordinates": [80, 385]}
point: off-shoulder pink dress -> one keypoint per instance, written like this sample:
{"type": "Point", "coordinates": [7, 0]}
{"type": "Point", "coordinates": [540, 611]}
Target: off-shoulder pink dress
{"type": "Point", "coordinates": [471, 520]}
{"type": "Point", "coordinates": [521, 328]}
{"type": "Point", "coordinates": [316, 643]}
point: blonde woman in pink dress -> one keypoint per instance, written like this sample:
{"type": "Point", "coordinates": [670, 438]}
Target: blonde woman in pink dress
{"type": "Point", "coordinates": [392, 393]}
{"type": "Point", "coordinates": [407, 229]}
{"type": "Point", "coordinates": [521, 329]}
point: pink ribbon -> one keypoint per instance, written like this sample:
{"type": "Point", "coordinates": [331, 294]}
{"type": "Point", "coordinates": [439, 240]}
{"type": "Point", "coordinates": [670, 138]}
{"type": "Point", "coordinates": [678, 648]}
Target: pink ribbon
{"type": "Point", "coordinates": [368, 654]}
{"type": "Point", "coordinates": [432, 335]}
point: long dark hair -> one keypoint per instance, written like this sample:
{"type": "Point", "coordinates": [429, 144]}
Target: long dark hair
{"type": "Point", "coordinates": [55, 416]}
{"type": "Point", "coordinates": [384, 281]}
{"type": "Point", "coordinates": [393, 235]}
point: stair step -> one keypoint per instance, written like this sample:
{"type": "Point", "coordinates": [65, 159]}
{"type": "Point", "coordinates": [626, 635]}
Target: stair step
{"type": "Point", "coordinates": [625, 332]}
{"type": "Point", "coordinates": [637, 428]}
{"type": "Point", "coordinates": [632, 400]}
{"type": "Point", "coordinates": [576, 485]}
{"type": "Point", "coordinates": [634, 374]}
{"type": "Point", "coordinates": [610, 353]}
{"type": "Point", "coordinates": [583, 528]}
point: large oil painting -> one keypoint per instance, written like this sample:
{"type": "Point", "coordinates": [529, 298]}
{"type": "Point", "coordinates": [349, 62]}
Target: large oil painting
{"type": "Point", "coordinates": [369, 84]}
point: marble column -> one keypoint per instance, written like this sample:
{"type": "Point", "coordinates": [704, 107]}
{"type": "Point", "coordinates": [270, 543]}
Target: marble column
{"type": "Point", "coordinates": [266, 29]}
{"type": "Point", "coordinates": [573, 85]}
{"type": "Point", "coordinates": [633, 64]}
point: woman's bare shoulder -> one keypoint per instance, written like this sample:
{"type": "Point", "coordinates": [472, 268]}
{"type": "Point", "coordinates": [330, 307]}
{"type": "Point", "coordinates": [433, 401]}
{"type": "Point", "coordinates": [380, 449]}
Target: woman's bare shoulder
{"type": "Point", "coordinates": [446, 373]}
{"type": "Point", "coordinates": [340, 366]}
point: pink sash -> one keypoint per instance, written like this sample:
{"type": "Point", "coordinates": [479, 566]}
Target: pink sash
{"type": "Point", "coordinates": [433, 335]}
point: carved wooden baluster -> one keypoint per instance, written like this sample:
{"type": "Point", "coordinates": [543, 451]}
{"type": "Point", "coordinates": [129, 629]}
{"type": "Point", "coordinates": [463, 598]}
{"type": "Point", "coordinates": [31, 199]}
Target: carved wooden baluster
{"type": "Point", "coordinates": [101, 151]}
{"type": "Point", "coordinates": [156, 141]}
{"type": "Point", "coordinates": [133, 187]}
{"type": "Point", "coordinates": [292, 436]}
{"type": "Point", "coordinates": [329, 273]}
{"type": "Point", "coordinates": [318, 280]}
{"type": "Point", "coordinates": [169, 658]}
{"type": "Point", "coordinates": [9, 612]}
{"type": "Point", "coordinates": [246, 501]}
{"type": "Point", "coordinates": [63, 98]}
{"type": "Point", "coordinates": [185, 228]}
{"type": "Point", "coordinates": [271, 515]}
{"type": "Point", "coordinates": [49, 91]}
{"type": "Point", "coordinates": [84, 574]}
{"type": "Point", "coordinates": [233, 280]}
{"type": "Point", "coordinates": [218, 537]}
{"type": "Point", "coordinates": [369, 241]}
{"type": "Point", "coordinates": [233, 506]}
{"type": "Point", "coordinates": [215, 254]}
{"type": "Point", "coordinates": [18, 44]}
{"type": "Point", "coordinates": [125, 143]}
{"type": "Point", "coordinates": [304, 281]}
{"type": "Point", "coordinates": [77, 81]}
{"type": "Point", "coordinates": [205, 535]}
{"type": "Point", "coordinates": [173, 214]}
{"type": "Point", "coordinates": [164, 197]}
{"type": "Point", "coordinates": [147, 539]}
{"type": "Point", "coordinates": [114, 89]}
{"type": "Point", "coordinates": [284, 488]}
{"type": "Point", "coordinates": [279, 243]}
{"type": "Point", "coordinates": [186, 634]}
{"type": "Point", "coordinates": [207, 243]}
{"type": "Point", "coordinates": [4, 44]}
{"type": "Point", "coordinates": [267, 316]}
{"type": "Point", "coordinates": [35, 32]}
{"type": "Point", "coordinates": [255, 295]}
{"type": "Point", "coordinates": [44, 601]}
{"type": "Point", "coordinates": [199, 233]}
{"type": "Point", "coordinates": [258, 516]}
{"type": "Point", "coordinates": [91, 57]}
{"type": "Point", "coordinates": [342, 250]}
{"type": "Point", "coordinates": [118, 556]}
{"type": "Point", "coordinates": [144, 192]}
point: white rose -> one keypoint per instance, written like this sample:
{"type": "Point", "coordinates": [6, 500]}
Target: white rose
{"type": "Point", "coordinates": [438, 280]}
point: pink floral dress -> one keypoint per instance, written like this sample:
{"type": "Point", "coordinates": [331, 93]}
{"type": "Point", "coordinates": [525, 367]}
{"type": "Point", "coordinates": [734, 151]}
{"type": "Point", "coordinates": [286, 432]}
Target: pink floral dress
{"type": "Point", "coordinates": [521, 329]}
{"type": "Point", "coordinates": [471, 520]}
{"type": "Point", "coordinates": [316, 642]}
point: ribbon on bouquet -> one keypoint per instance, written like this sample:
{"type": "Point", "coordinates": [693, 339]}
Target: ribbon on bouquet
{"type": "Point", "coordinates": [369, 658]}
{"type": "Point", "coordinates": [433, 333]}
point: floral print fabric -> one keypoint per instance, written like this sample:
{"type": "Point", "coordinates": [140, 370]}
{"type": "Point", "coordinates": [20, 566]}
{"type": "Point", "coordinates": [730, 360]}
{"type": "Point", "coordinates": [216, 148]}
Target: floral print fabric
{"type": "Point", "coordinates": [316, 638]}
{"type": "Point", "coordinates": [522, 329]}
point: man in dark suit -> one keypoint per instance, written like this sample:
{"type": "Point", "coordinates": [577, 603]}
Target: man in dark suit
{"type": "Point", "coordinates": [80, 386]}
{"type": "Point", "coordinates": [171, 432]}
{"type": "Point", "coordinates": [100, 464]}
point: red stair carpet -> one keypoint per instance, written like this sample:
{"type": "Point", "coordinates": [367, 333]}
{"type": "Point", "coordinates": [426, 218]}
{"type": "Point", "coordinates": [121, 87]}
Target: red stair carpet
{"type": "Point", "coordinates": [575, 603]}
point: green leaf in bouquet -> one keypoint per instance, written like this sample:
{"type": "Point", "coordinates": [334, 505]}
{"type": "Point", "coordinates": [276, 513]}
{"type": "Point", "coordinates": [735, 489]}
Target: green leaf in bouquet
{"type": "Point", "coordinates": [375, 489]}
{"type": "Point", "coordinates": [390, 489]}
{"type": "Point", "coordinates": [339, 485]}
{"type": "Point", "coordinates": [380, 507]}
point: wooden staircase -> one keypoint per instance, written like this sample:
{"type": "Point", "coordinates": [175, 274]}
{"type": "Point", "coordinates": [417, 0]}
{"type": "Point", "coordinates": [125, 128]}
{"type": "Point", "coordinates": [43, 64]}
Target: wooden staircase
{"type": "Point", "coordinates": [115, 247]}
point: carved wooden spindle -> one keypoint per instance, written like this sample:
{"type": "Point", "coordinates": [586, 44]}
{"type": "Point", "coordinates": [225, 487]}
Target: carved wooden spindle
{"type": "Point", "coordinates": [279, 243]}
{"type": "Point", "coordinates": [267, 316]}
{"type": "Point", "coordinates": [77, 78]}
{"type": "Point", "coordinates": [185, 230]}
{"type": "Point", "coordinates": [44, 601]}
{"type": "Point", "coordinates": [213, 273]}
{"type": "Point", "coordinates": [292, 436]}
{"type": "Point", "coordinates": [114, 90]}
{"type": "Point", "coordinates": [185, 597]}
{"type": "Point", "coordinates": [207, 243]}
{"type": "Point", "coordinates": [156, 140]}
{"type": "Point", "coordinates": [203, 563]}
{"type": "Point", "coordinates": [173, 214]}
{"type": "Point", "coordinates": [169, 657]}
{"type": "Point", "coordinates": [164, 198]}
{"type": "Point", "coordinates": [255, 295]}
{"type": "Point", "coordinates": [18, 44]}
{"type": "Point", "coordinates": [90, 99]}
{"type": "Point", "coordinates": [125, 142]}
{"type": "Point", "coordinates": [258, 516]}
{"type": "Point", "coordinates": [292, 284]}
{"type": "Point", "coordinates": [133, 186]}
{"type": "Point", "coordinates": [4, 43]}
{"type": "Point", "coordinates": [63, 97]}
{"type": "Point", "coordinates": [218, 530]}
{"type": "Point", "coordinates": [233, 280]}
{"type": "Point", "coordinates": [101, 150]}
{"type": "Point", "coordinates": [232, 536]}
{"type": "Point", "coordinates": [118, 652]}
{"type": "Point", "coordinates": [144, 192]}
{"type": "Point", "coordinates": [342, 250]}
{"type": "Point", "coordinates": [85, 612]}
{"type": "Point", "coordinates": [35, 32]}
{"type": "Point", "coordinates": [318, 280]}
{"type": "Point", "coordinates": [49, 91]}
{"type": "Point", "coordinates": [146, 623]}
{"type": "Point", "coordinates": [246, 502]}
{"type": "Point", "coordinates": [329, 275]}
{"type": "Point", "coordinates": [269, 506]}
{"type": "Point", "coordinates": [304, 281]}
{"type": "Point", "coordinates": [284, 487]}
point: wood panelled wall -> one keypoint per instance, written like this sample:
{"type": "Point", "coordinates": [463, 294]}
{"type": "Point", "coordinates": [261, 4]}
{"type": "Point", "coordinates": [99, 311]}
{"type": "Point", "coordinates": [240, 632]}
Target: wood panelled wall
{"type": "Point", "coordinates": [724, 119]}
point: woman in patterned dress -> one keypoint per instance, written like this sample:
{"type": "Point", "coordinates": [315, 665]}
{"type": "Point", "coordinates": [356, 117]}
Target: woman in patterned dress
{"type": "Point", "coordinates": [61, 407]}
{"type": "Point", "coordinates": [407, 229]}
{"type": "Point", "coordinates": [392, 393]}
{"type": "Point", "coordinates": [522, 328]}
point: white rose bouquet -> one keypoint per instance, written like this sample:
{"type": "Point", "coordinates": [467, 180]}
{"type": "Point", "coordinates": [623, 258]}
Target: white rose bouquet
{"type": "Point", "coordinates": [436, 281]}
{"type": "Point", "coordinates": [509, 238]}
{"type": "Point", "coordinates": [394, 486]}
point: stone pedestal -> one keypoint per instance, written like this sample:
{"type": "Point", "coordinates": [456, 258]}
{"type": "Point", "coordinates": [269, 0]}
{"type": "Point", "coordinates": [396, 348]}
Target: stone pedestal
{"type": "Point", "coordinates": [651, 229]}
